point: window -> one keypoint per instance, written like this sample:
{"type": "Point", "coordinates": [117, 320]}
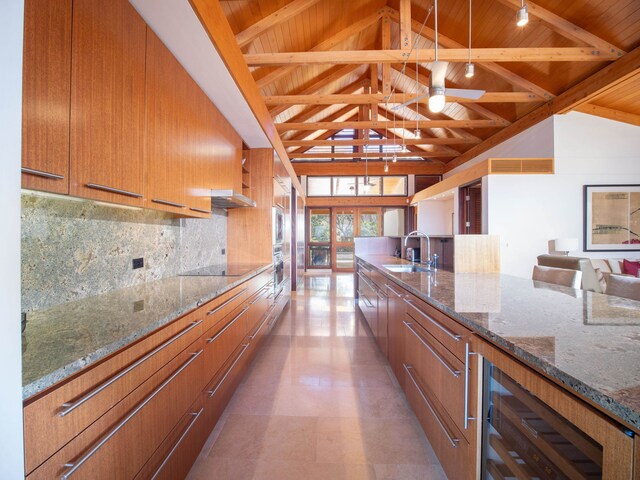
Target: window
{"type": "Point", "coordinates": [395, 186]}
{"type": "Point", "coordinates": [344, 186]}
{"type": "Point", "coordinates": [319, 186]}
{"type": "Point", "coordinates": [350, 186]}
{"type": "Point", "coordinates": [372, 189]}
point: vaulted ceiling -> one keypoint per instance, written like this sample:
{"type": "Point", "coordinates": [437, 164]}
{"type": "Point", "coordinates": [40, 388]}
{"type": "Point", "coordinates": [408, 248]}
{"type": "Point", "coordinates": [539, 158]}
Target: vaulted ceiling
{"type": "Point", "coordinates": [327, 65]}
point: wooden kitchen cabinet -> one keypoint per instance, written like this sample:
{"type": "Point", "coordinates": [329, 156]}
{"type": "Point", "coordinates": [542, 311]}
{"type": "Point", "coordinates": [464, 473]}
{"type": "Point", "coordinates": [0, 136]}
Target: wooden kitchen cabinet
{"type": "Point", "coordinates": [395, 330]}
{"type": "Point", "coordinates": [46, 84]}
{"type": "Point", "coordinates": [107, 102]}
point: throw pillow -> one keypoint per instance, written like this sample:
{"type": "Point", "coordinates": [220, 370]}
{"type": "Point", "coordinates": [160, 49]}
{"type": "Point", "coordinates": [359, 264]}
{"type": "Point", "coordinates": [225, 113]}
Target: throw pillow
{"type": "Point", "coordinates": [630, 268]}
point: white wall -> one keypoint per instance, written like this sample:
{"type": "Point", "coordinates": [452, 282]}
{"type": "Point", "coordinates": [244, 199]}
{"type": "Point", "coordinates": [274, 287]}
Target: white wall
{"type": "Point", "coordinates": [11, 450]}
{"type": "Point", "coordinates": [529, 210]}
{"type": "Point", "coordinates": [435, 216]}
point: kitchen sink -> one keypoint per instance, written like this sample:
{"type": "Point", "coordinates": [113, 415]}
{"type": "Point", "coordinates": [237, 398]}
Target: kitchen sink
{"type": "Point", "coordinates": [406, 268]}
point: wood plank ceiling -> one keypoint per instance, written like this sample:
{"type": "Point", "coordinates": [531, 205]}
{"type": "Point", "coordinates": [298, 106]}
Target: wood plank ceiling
{"type": "Point", "coordinates": [327, 65]}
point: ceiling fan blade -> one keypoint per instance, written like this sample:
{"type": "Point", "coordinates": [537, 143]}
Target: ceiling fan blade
{"type": "Point", "coordinates": [464, 93]}
{"type": "Point", "coordinates": [438, 73]}
{"type": "Point", "coordinates": [409, 102]}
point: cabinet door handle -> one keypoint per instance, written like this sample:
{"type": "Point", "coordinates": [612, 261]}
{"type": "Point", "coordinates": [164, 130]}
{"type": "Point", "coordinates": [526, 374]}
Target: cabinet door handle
{"type": "Point", "coordinates": [226, 374]}
{"type": "Point", "coordinates": [467, 353]}
{"type": "Point", "coordinates": [455, 373]}
{"type": "Point", "coordinates": [95, 186]}
{"type": "Point", "coordinates": [227, 326]}
{"type": "Point", "coordinates": [393, 290]}
{"type": "Point", "coordinates": [227, 302]}
{"type": "Point", "coordinates": [175, 447]}
{"type": "Point", "coordinates": [454, 336]}
{"type": "Point", "coordinates": [69, 407]}
{"type": "Point", "coordinates": [40, 173]}
{"type": "Point", "coordinates": [73, 467]}
{"type": "Point", "coordinates": [201, 210]}
{"type": "Point", "coordinates": [452, 440]}
{"type": "Point", "coordinates": [166, 202]}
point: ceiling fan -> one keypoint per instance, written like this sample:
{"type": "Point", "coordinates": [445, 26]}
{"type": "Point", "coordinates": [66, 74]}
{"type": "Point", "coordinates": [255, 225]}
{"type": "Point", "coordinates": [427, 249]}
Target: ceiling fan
{"type": "Point", "coordinates": [437, 89]}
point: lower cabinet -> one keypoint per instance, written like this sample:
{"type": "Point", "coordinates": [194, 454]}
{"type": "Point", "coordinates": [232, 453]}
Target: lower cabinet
{"type": "Point", "coordinates": [146, 411]}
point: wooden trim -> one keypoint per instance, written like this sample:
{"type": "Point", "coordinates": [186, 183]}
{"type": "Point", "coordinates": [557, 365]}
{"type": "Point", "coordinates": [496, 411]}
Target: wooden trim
{"type": "Point", "coordinates": [279, 16]}
{"type": "Point", "coordinates": [408, 141]}
{"type": "Point", "coordinates": [423, 154]}
{"type": "Point", "coordinates": [365, 99]}
{"type": "Point", "coordinates": [375, 168]}
{"type": "Point", "coordinates": [454, 181]}
{"type": "Point", "coordinates": [609, 113]}
{"type": "Point", "coordinates": [405, 25]}
{"type": "Point", "coordinates": [356, 202]}
{"type": "Point", "coordinates": [478, 55]}
{"type": "Point", "coordinates": [215, 23]}
{"type": "Point", "coordinates": [592, 86]}
{"type": "Point", "coordinates": [386, 45]}
{"type": "Point", "coordinates": [283, 127]}
{"type": "Point", "coordinates": [564, 27]}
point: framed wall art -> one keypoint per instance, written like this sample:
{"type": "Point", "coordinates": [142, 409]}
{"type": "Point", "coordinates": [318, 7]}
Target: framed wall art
{"type": "Point", "coordinates": [611, 218]}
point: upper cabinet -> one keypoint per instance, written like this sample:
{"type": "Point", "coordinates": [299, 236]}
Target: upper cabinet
{"type": "Point", "coordinates": [107, 101]}
{"type": "Point", "coordinates": [46, 84]}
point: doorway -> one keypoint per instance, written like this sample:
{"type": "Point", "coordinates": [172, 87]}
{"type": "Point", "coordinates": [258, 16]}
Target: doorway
{"type": "Point", "coordinates": [471, 208]}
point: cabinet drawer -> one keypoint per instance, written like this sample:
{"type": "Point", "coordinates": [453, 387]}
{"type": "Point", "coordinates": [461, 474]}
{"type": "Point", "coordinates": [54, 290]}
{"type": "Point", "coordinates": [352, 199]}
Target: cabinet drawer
{"type": "Point", "coordinates": [446, 330]}
{"type": "Point", "coordinates": [223, 339]}
{"type": "Point", "coordinates": [441, 370]}
{"type": "Point", "coordinates": [258, 304]}
{"type": "Point", "coordinates": [217, 309]}
{"type": "Point", "coordinates": [66, 411]}
{"type": "Point", "coordinates": [452, 449]}
{"type": "Point", "coordinates": [121, 442]}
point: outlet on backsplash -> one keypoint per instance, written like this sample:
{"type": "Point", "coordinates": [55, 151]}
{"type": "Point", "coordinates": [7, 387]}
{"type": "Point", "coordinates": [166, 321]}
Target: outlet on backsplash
{"type": "Point", "coordinates": [138, 263]}
{"type": "Point", "coordinates": [224, 251]}
{"type": "Point", "coordinates": [138, 306]}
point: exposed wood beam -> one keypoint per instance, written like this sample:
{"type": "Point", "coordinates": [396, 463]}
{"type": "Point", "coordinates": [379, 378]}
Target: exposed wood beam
{"type": "Point", "coordinates": [347, 143]}
{"type": "Point", "coordinates": [499, 70]}
{"type": "Point", "coordinates": [410, 72]}
{"type": "Point", "coordinates": [609, 113]}
{"type": "Point", "coordinates": [404, 167]}
{"type": "Point", "coordinates": [327, 44]}
{"type": "Point", "coordinates": [564, 27]}
{"type": "Point", "coordinates": [405, 25]}
{"type": "Point", "coordinates": [615, 73]}
{"type": "Point", "coordinates": [386, 45]}
{"type": "Point", "coordinates": [281, 15]}
{"type": "Point", "coordinates": [367, 99]}
{"type": "Point", "coordinates": [414, 154]}
{"type": "Point", "coordinates": [374, 89]}
{"type": "Point", "coordinates": [217, 27]}
{"type": "Point", "coordinates": [283, 127]}
{"type": "Point", "coordinates": [336, 73]}
{"type": "Point", "coordinates": [478, 55]}
{"type": "Point", "coordinates": [348, 113]}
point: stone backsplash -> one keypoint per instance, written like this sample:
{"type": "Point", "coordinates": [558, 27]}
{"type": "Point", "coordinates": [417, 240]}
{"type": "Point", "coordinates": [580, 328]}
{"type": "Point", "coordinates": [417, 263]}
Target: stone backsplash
{"type": "Point", "coordinates": [74, 248]}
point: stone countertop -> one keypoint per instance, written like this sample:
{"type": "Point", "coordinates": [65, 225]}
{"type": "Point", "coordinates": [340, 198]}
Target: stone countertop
{"type": "Point", "coordinates": [587, 341]}
{"type": "Point", "coordinates": [63, 339]}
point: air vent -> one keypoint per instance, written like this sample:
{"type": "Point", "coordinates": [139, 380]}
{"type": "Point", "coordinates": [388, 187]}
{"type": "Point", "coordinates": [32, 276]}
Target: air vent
{"type": "Point", "coordinates": [522, 166]}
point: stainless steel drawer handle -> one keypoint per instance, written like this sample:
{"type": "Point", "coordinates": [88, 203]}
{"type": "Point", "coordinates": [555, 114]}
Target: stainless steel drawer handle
{"type": "Point", "coordinates": [255, 334]}
{"type": "Point", "coordinates": [467, 367]}
{"type": "Point", "coordinates": [175, 447]}
{"type": "Point", "coordinates": [452, 440]}
{"type": "Point", "coordinates": [260, 293]}
{"type": "Point", "coordinates": [366, 300]}
{"type": "Point", "coordinates": [201, 210]}
{"type": "Point", "coordinates": [454, 336]}
{"type": "Point", "coordinates": [224, 304]}
{"type": "Point", "coordinates": [114, 190]}
{"type": "Point", "coordinates": [73, 467]}
{"type": "Point", "coordinates": [455, 373]}
{"type": "Point", "coordinates": [227, 326]}
{"type": "Point", "coordinates": [69, 407]}
{"type": "Point", "coordinates": [392, 290]}
{"type": "Point", "coordinates": [226, 374]}
{"type": "Point", "coordinates": [365, 280]}
{"type": "Point", "coordinates": [40, 173]}
{"type": "Point", "coordinates": [166, 202]}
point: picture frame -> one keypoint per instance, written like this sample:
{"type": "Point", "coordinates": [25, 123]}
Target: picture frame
{"type": "Point", "coordinates": [611, 218]}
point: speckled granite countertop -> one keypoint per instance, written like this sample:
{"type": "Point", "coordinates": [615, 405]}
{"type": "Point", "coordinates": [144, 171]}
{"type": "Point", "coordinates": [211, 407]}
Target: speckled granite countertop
{"type": "Point", "coordinates": [61, 340]}
{"type": "Point", "coordinates": [587, 341]}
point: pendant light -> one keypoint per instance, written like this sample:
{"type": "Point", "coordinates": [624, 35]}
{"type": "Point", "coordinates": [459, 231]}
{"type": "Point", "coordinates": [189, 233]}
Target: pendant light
{"type": "Point", "coordinates": [386, 166]}
{"type": "Point", "coordinates": [436, 95]}
{"type": "Point", "coordinates": [469, 69]}
{"type": "Point", "coordinates": [522, 17]}
{"type": "Point", "coordinates": [394, 159]}
{"type": "Point", "coordinates": [366, 168]}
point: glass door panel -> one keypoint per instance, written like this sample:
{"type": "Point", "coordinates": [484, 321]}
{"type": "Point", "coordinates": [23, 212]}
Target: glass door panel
{"type": "Point", "coordinates": [319, 238]}
{"type": "Point", "coordinates": [344, 228]}
{"type": "Point", "coordinates": [369, 222]}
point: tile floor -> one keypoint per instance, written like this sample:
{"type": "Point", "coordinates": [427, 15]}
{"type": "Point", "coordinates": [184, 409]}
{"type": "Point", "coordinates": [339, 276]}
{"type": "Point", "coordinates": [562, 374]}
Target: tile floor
{"type": "Point", "coordinates": [318, 402]}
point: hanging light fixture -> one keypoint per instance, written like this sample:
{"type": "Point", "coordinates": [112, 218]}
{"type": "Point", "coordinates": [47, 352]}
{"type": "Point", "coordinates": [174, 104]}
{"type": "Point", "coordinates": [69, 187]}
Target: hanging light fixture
{"type": "Point", "coordinates": [404, 147]}
{"type": "Point", "coordinates": [522, 17]}
{"type": "Point", "coordinates": [366, 168]}
{"type": "Point", "coordinates": [394, 159]}
{"type": "Point", "coordinates": [436, 94]}
{"type": "Point", "coordinates": [386, 166]}
{"type": "Point", "coordinates": [469, 69]}
{"type": "Point", "coordinates": [418, 133]}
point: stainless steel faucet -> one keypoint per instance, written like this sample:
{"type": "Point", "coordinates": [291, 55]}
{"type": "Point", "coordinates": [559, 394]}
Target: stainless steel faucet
{"type": "Point", "coordinates": [418, 234]}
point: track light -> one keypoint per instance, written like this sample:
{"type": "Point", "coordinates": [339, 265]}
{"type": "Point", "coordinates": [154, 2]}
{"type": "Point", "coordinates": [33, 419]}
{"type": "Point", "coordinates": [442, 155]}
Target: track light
{"type": "Point", "coordinates": [469, 70]}
{"type": "Point", "coordinates": [386, 167]}
{"type": "Point", "coordinates": [394, 159]}
{"type": "Point", "coordinates": [404, 148]}
{"type": "Point", "coordinates": [436, 100]}
{"type": "Point", "coordinates": [522, 17]}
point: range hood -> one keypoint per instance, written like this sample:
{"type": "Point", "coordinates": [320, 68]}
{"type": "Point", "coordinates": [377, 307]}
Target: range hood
{"type": "Point", "coordinates": [230, 199]}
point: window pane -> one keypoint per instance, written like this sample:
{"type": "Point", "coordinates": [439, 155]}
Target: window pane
{"type": "Point", "coordinates": [395, 186]}
{"type": "Point", "coordinates": [369, 224]}
{"type": "Point", "coordinates": [320, 226]}
{"type": "Point", "coordinates": [393, 222]}
{"type": "Point", "coordinates": [344, 257]}
{"type": "Point", "coordinates": [319, 256]}
{"type": "Point", "coordinates": [344, 186]}
{"type": "Point", "coordinates": [344, 227]}
{"type": "Point", "coordinates": [367, 190]}
{"type": "Point", "coordinates": [319, 186]}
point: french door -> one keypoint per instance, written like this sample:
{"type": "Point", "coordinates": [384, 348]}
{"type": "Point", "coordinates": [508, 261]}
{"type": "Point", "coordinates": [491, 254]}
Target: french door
{"type": "Point", "coordinates": [348, 223]}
